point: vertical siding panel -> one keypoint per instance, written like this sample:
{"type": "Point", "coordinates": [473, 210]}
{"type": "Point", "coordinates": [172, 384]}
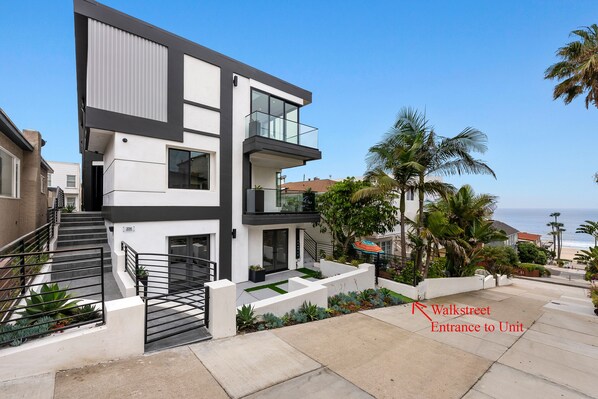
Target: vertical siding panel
{"type": "Point", "coordinates": [126, 73]}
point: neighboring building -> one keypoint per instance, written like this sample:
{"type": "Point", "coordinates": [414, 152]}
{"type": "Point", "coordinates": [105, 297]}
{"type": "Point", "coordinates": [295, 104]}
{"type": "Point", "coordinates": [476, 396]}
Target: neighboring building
{"type": "Point", "coordinates": [390, 242]}
{"type": "Point", "coordinates": [529, 237]}
{"type": "Point", "coordinates": [510, 232]}
{"type": "Point", "coordinates": [23, 181]}
{"type": "Point", "coordinates": [316, 185]}
{"type": "Point", "coordinates": [183, 148]}
{"type": "Point", "coordinates": [67, 176]}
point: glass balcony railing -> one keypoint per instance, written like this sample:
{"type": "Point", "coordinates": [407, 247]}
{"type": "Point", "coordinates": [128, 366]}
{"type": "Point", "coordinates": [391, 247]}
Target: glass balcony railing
{"type": "Point", "coordinates": [271, 200]}
{"type": "Point", "coordinates": [277, 128]}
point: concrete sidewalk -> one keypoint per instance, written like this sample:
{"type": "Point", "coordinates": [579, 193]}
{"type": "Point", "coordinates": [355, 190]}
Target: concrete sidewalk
{"type": "Point", "coordinates": [383, 353]}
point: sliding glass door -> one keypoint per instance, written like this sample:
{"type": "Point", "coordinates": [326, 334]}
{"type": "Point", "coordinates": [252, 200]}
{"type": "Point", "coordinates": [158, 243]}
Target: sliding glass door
{"type": "Point", "coordinates": [187, 268]}
{"type": "Point", "coordinates": [276, 250]}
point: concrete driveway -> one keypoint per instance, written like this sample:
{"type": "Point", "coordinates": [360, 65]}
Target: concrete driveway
{"type": "Point", "coordinates": [383, 353]}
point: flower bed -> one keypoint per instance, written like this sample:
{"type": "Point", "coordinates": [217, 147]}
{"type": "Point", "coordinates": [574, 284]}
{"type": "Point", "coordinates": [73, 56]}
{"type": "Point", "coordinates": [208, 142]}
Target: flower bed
{"type": "Point", "coordinates": [248, 321]}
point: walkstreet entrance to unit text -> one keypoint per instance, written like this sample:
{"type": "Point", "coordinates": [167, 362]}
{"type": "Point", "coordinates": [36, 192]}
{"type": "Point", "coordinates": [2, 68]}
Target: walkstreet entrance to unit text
{"type": "Point", "coordinates": [460, 327]}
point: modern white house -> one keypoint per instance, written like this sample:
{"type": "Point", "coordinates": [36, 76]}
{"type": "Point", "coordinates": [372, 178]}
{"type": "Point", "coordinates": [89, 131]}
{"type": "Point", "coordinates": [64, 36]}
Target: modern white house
{"type": "Point", "coordinates": [67, 176]}
{"type": "Point", "coordinates": [183, 148]}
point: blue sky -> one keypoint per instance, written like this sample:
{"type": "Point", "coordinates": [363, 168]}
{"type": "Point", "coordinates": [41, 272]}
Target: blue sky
{"type": "Point", "coordinates": [467, 63]}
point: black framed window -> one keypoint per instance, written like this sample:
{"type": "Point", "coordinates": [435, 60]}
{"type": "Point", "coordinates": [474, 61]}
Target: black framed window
{"type": "Point", "coordinates": [188, 169]}
{"type": "Point", "coordinates": [285, 124]}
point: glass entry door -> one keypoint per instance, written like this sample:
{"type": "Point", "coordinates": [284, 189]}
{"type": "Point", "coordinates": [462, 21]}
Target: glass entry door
{"type": "Point", "coordinates": [185, 270]}
{"type": "Point", "coordinates": [276, 250]}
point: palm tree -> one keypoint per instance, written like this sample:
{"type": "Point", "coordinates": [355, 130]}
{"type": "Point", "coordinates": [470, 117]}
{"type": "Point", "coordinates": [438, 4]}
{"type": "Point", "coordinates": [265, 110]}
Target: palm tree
{"type": "Point", "coordinates": [435, 155]}
{"type": "Point", "coordinates": [590, 228]}
{"type": "Point", "coordinates": [578, 68]}
{"type": "Point", "coordinates": [557, 233]}
{"type": "Point", "coordinates": [393, 171]}
{"type": "Point", "coordinates": [470, 212]}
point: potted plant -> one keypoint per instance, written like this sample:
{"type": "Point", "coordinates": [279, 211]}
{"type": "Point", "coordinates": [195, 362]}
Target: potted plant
{"type": "Point", "coordinates": [255, 199]}
{"type": "Point", "coordinates": [142, 276]}
{"type": "Point", "coordinates": [257, 273]}
{"type": "Point", "coordinates": [309, 200]}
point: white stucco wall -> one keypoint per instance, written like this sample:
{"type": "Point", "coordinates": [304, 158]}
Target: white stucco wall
{"type": "Point", "coordinates": [358, 279]}
{"type": "Point", "coordinates": [122, 336]}
{"type": "Point", "coordinates": [136, 172]}
{"type": "Point", "coordinates": [452, 285]}
{"type": "Point", "coordinates": [300, 291]}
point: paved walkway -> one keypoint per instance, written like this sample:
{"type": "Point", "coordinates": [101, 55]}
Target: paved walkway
{"type": "Point", "coordinates": [383, 353]}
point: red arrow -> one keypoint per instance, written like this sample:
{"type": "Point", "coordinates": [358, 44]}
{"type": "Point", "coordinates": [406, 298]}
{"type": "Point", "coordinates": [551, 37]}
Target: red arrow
{"type": "Point", "coordinates": [421, 308]}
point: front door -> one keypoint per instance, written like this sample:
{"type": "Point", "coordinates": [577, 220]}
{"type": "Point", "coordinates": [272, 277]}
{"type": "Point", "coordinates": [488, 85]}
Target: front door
{"type": "Point", "coordinates": [97, 188]}
{"type": "Point", "coordinates": [276, 250]}
{"type": "Point", "coordinates": [186, 268]}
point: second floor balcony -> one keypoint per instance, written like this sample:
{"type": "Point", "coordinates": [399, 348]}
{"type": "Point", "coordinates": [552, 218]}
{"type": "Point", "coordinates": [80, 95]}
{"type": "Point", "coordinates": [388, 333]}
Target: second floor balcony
{"type": "Point", "coordinates": [277, 128]}
{"type": "Point", "coordinates": [269, 205]}
{"type": "Point", "coordinates": [293, 143]}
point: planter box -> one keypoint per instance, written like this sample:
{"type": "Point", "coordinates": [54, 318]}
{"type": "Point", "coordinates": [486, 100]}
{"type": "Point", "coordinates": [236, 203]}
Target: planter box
{"type": "Point", "coordinates": [526, 273]}
{"type": "Point", "coordinates": [255, 201]}
{"type": "Point", "coordinates": [257, 276]}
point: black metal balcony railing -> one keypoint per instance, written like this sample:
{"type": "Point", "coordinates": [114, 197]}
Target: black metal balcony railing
{"type": "Point", "coordinates": [277, 128]}
{"type": "Point", "coordinates": [271, 200]}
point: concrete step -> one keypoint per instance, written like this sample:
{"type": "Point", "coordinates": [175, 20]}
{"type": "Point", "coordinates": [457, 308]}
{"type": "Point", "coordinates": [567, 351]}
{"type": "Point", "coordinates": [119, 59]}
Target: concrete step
{"type": "Point", "coordinates": [81, 267]}
{"type": "Point", "coordinates": [85, 219]}
{"type": "Point", "coordinates": [81, 230]}
{"type": "Point", "coordinates": [81, 253]}
{"type": "Point", "coordinates": [89, 242]}
{"type": "Point", "coordinates": [85, 223]}
{"type": "Point", "coordinates": [81, 236]}
{"type": "Point", "coordinates": [82, 214]}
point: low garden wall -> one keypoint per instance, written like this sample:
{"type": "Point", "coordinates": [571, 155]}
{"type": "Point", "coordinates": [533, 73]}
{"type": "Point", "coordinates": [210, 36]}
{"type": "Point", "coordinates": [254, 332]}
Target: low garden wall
{"type": "Point", "coordinates": [122, 336]}
{"type": "Point", "coordinates": [436, 287]}
{"type": "Point", "coordinates": [300, 291]}
{"type": "Point", "coordinates": [330, 268]}
{"type": "Point", "coordinates": [356, 279]}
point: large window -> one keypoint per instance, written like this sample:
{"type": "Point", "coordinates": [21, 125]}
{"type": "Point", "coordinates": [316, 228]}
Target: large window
{"type": "Point", "coordinates": [282, 123]}
{"type": "Point", "coordinates": [49, 179]}
{"type": "Point", "coordinates": [71, 181]}
{"type": "Point", "coordinates": [188, 169]}
{"type": "Point", "coordinates": [9, 175]}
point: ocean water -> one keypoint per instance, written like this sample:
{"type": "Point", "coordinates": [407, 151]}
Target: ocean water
{"type": "Point", "coordinates": [535, 220]}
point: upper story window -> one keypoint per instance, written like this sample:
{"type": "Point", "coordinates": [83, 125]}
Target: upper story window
{"type": "Point", "coordinates": [188, 169]}
{"type": "Point", "coordinates": [71, 181]}
{"type": "Point", "coordinates": [277, 119]}
{"type": "Point", "coordinates": [42, 184]}
{"type": "Point", "coordinates": [49, 179]}
{"type": "Point", "coordinates": [410, 195]}
{"type": "Point", "coordinates": [9, 174]}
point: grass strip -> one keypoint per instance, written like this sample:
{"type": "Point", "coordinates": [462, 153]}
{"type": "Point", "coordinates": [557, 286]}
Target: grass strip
{"type": "Point", "coordinates": [401, 297]}
{"type": "Point", "coordinates": [308, 272]}
{"type": "Point", "coordinates": [272, 286]}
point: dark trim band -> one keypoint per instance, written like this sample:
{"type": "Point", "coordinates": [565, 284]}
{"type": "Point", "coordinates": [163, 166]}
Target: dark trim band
{"type": "Point", "coordinates": [189, 102]}
{"type": "Point", "coordinates": [129, 214]}
{"type": "Point", "coordinates": [202, 133]}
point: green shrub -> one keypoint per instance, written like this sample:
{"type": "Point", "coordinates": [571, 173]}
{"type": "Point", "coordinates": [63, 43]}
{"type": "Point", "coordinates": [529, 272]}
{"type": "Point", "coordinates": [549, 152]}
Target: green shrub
{"type": "Point", "coordinates": [246, 318]}
{"type": "Point", "coordinates": [51, 301]}
{"type": "Point", "coordinates": [530, 267]}
{"type": "Point", "coordinates": [85, 313]}
{"type": "Point", "coordinates": [272, 321]}
{"type": "Point", "coordinates": [530, 253]}
{"type": "Point", "coordinates": [437, 268]}
{"type": "Point", "coordinates": [16, 334]}
{"type": "Point", "coordinates": [405, 275]}
{"type": "Point", "coordinates": [355, 262]}
{"type": "Point", "coordinates": [342, 259]}
{"type": "Point", "coordinates": [329, 258]}
{"type": "Point", "coordinates": [594, 295]}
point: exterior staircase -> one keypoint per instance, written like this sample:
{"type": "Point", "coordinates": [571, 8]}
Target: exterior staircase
{"type": "Point", "coordinates": [79, 231]}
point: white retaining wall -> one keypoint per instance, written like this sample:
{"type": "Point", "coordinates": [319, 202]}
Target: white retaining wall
{"type": "Point", "coordinates": [330, 268]}
{"type": "Point", "coordinates": [357, 279]}
{"type": "Point", "coordinates": [452, 285]}
{"type": "Point", "coordinates": [300, 291]}
{"type": "Point", "coordinates": [403, 289]}
{"type": "Point", "coordinates": [122, 336]}
{"type": "Point", "coordinates": [503, 280]}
